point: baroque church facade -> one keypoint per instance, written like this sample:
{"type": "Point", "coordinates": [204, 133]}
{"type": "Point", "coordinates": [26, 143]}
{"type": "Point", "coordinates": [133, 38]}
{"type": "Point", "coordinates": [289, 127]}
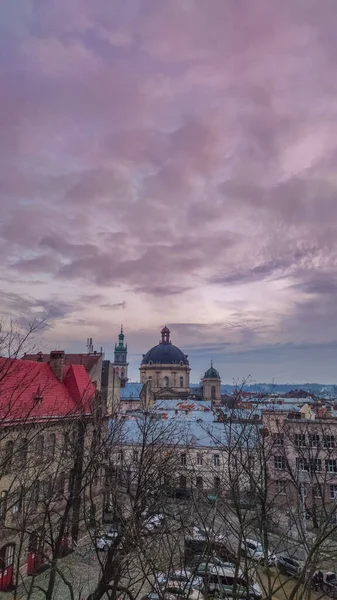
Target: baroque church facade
{"type": "Point", "coordinates": [165, 374]}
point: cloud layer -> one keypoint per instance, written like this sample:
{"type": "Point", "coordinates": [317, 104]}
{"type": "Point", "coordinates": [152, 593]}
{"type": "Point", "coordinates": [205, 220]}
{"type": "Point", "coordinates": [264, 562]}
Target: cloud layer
{"type": "Point", "coordinates": [174, 162]}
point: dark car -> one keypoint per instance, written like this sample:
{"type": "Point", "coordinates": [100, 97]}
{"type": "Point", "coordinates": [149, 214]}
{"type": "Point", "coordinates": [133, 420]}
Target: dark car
{"type": "Point", "coordinates": [288, 565]}
{"type": "Point", "coordinates": [327, 582]}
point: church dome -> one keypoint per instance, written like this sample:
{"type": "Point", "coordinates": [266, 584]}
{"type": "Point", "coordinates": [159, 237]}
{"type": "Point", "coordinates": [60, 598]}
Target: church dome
{"type": "Point", "coordinates": [212, 373]}
{"type": "Point", "coordinates": [165, 353]}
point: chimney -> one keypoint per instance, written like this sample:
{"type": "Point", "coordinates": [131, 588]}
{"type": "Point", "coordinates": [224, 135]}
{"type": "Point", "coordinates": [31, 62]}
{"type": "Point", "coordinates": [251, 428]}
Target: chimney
{"type": "Point", "coordinates": [56, 362]}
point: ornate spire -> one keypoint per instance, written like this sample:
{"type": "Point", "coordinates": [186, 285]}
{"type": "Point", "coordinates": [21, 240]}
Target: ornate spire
{"type": "Point", "coordinates": [121, 337]}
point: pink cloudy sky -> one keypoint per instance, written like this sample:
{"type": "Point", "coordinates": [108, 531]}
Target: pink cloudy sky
{"type": "Point", "coordinates": [174, 161]}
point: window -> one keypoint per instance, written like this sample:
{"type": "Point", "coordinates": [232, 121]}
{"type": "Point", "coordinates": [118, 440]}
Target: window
{"type": "Point", "coordinates": [166, 381]}
{"type": "Point", "coordinates": [216, 460]}
{"type": "Point", "coordinates": [60, 484]}
{"type": "Point", "coordinates": [280, 487]}
{"type": "Point", "coordinates": [317, 491]}
{"type": "Point", "coordinates": [333, 492]}
{"type": "Point", "coordinates": [3, 506]}
{"type": "Point", "coordinates": [183, 459]}
{"type": "Point", "coordinates": [314, 440]}
{"type": "Point", "coordinates": [199, 459]}
{"type": "Point", "coordinates": [279, 463]}
{"type": "Point", "coordinates": [35, 493]}
{"type": "Point", "coordinates": [47, 489]}
{"type": "Point", "coordinates": [329, 441]}
{"type": "Point", "coordinates": [216, 483]}
{"type": "Point", "coordinates": [300, 441]}
{"type": "Point", "coordinates": [301, 464]}
{"type": "Point", "coordinates": [199, 482]}
{"type": "Point", "coordinates": [39, 444]}
{"type": "Point", "coordinates": [9, 453]}
{"type": "Point", "coordinates": [23, 453]}
{"type": "Point", "coordinates": [16, 502]}
{"type": "Point", "coordinates": [278, 439]}
{"type": "Point", "coordinates": [182, 482]}
{"type": "Point", "coordinates": [51, 443]}
{"type": "Point", "coordinates": [135, 455]}
{"type": "Point", "coordinates": [315, 465]}
{"type": "Point", "coordinates": [331, 466]}
{"type": "Point", "coordinates": [213, 392]}
{"type": "Point", "coordinates": [120, 455]}
{"type": "Point", "coordinates": [181, 382]}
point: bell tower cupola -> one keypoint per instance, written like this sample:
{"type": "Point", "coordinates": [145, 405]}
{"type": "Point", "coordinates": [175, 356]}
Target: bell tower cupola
{"type": "Point", "coordinates": [120, 358]}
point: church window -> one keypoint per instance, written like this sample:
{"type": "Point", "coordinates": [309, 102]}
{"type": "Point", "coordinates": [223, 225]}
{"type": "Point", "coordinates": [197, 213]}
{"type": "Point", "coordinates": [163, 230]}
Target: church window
{"type": "Point", "coordinates": [199, 459]}
{"type": "Point", "coordinates": [213, 392]}
{"type": "Point", "coordinates": [166, 381]}
{"type": "Point", "coordinates": [181, 382]}
{"type": "Point", "coordinates": [183, 459]}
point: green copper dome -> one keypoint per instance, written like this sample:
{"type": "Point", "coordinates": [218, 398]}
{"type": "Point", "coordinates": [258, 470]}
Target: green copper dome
{"type": "Point", "coordinates": [212, 373]}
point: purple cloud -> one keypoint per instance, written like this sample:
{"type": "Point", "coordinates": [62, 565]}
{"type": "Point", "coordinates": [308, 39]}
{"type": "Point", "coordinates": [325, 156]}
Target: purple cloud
{"type": "Point", "coordinates": [176, 160]}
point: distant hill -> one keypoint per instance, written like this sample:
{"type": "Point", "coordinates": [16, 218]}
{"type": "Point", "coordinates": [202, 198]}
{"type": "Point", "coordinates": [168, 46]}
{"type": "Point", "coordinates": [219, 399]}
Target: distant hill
{"type": "Point", "coordinates": [291, 390]}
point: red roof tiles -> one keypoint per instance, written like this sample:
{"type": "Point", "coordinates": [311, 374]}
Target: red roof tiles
{"type": "Point", "coordinates": [29, 390]}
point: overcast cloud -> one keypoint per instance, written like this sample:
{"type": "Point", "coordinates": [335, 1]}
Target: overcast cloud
{"type": "Point", "coordinates": [174, 162]}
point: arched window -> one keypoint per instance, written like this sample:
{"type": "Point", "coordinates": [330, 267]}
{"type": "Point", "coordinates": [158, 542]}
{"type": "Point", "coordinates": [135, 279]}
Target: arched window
{"type": "Point", "coordinates": [213, 392]}
{"type": "Point", "coordinates": [181, 382]}
{"type": "Point", "coordinates": [166, 381]}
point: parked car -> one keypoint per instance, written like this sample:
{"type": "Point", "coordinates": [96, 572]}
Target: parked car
{"type": "Point", "coordinates": [174, 590]}
{"type": "Point", "coordinates": [327, 582]}
{"type": "Point", "coordinates": [105, 540]}
{"type": "Point", "coordinates": [207, 568]}
{"type": "Point", "coordinates": [198, 559]}
{"type": "Point", "coordinates": [289, 565]}
{"type": "Point", "coordinates": [254, 550]}
{"type": "Point", "coordinates": [223, 583]}
{"type": "Point", "coordinates": [156, 596]}
{"type": "Point", "coordinates": [183, 578]}
{"type": "Point", "coordinates": [154, 522]}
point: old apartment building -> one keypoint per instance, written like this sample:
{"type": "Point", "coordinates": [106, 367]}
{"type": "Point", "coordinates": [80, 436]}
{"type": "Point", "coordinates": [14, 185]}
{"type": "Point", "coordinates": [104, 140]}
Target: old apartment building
{"type": "Point", "coordinates": [302, 458]}
{"type": "Point", "coordinates": [52, 422]}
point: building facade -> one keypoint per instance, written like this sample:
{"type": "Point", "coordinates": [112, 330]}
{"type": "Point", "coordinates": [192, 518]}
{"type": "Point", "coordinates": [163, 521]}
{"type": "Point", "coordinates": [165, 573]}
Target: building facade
{"type": "Point", "coordinates": [51, 423]}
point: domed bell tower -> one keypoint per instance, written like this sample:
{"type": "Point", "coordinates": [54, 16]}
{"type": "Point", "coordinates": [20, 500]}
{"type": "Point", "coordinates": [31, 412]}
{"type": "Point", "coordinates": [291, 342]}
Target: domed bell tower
{"type": "Point", "coordinates": [120, 363]}
{"type": "Point", "coordinates": [211, 386]}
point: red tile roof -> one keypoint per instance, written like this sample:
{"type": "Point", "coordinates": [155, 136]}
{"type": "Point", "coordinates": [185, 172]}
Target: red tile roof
{"type": "Point", "coordinates": [29, 390]}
